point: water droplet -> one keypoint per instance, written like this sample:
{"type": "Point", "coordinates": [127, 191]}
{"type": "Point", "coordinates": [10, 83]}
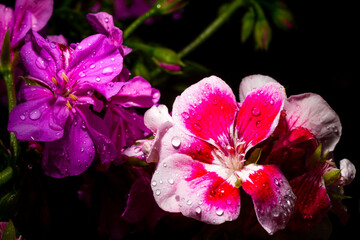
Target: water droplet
{"type": "Point", "coordinates": [219, 212]}
{"type": "Point", "coordinates": [258, 124]}
{"type": "Point", "coordinates": [81, 149]}
{"type": "Point", "coordinates": [83, 126]}
{"type": "Point", "coordinates": [185, 115]}
{"type": "Point", "coordinates": [106, 20]}
{"type": "Point", "coordinates": [22, 117]}
{"type": "Point", "coordinates": [189, 202]}
{"type": "Point", "coordinates": [164, 165]}
{"type": "Point", "coordinates": [276, 181]}
{"type": "Point", "coordinates": [79, 47]}
{"type": "Point", "coordinates": [157, 192]}
{"type": "Point", "coordinates": [153, 183]}
{"type": "Point", "coordinates": [107, 71]}
{"type": "Point", "coordinates": [198, 210]}
{"type": "Point", "coordinates": [272, 102]}
{"type": "Point", "coordinates": [92, 66]}
{"type": "Point", "coordinates": [35, 114]}
{"type": "Point", "coordinates": [82, 74]}
{"type": "Point", "coordinates": [97, 79]}
{"type": "Point", "coordinates": [171, 181]}
{"type": "Point", "coordinates": [176, 142]}
{"type": "Point", "coordinates": [255, 111]}
{"type": "Point", "coordinates": [40, 63]}
{"type": "Point", "coordinates": [197, 127]}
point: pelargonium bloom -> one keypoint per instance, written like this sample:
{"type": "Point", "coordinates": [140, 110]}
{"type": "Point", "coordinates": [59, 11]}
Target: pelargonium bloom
{"type": "Point", "coordinates": [202, 155]}
{"type": "Point", "coordinates": [28, 14]}
{"type": "Point", "coordinates": [57, 110]}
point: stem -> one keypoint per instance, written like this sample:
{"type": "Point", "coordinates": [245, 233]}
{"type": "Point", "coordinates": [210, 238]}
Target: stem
{"type": "Point", "coordinates": [6, 175]}
{"type": "Point", "coordinates": [212, 27]}
{"type": "Point", "coordinates": [10, 88]}
{"type": "Point", "coordinates": [129, 30]}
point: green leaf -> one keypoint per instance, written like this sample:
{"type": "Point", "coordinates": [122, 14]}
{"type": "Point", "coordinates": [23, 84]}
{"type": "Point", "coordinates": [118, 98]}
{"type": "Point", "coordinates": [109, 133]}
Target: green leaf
{"type": "Point", "coordinates": [315, 157]}
{"type": "Point", "coordinates": [331, 176]}
{"type": "Point", "coordinates": [247, 27]}
{"type": "Point", "coordinates": [338, 196]}
{"type": "Point", "coordinates": [254, 156]}
{"type": "Point", "coordinates": [9, 232]}
{"type": "Point", "coordinates": [6, 53]}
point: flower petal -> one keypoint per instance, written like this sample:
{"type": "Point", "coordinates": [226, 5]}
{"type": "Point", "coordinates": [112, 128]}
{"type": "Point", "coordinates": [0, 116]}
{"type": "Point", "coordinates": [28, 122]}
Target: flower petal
{"type": "Point", "coordinates": [312, 201]}
{"type": "Point", "coordinates": [6, 22]}
{"type": "Point", "coordinates": [70, 155]}
{"type": "Point", "coordinates": [157, 116]}
{"type": "Point", "coordinates": [271, 193]}
{"type": "Point", "coordinates": [207, 110]}
{"type": "Point", "coordinates": [348, 171]}
{"type": "Point", "coordinates": [259, 113]}
{"type": "Point", "coordinates": [95, 61]}
{"type": "Point", "coordinates": [251, 83]}
{"type": "Point", "coordinates": [22, 24]}
{"type": "Point", "coordinates": [181, 184]}
{"type": "Point", "coordinates": [41, 11]}
{"type": "Point", "coordinates": [137, 92]}
{"type": "Point", "coordinates": [39, 119]}
{"type": "Point", "coordinates": [312, 112]}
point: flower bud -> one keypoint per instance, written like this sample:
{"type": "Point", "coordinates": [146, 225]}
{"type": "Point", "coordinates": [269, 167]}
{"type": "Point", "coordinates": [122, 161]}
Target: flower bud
{"type": "Point", "coordinates": [167, 59]}
{"type": "Point", "coordinates": [262, 34]}
{"type": "Point", "coordinates": [247, 24]}
{"type": "Point", "coordinates": [282, 16]}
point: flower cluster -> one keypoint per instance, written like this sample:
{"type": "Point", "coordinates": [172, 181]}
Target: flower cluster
{"type": "Point", "coordinates": [277, 149]}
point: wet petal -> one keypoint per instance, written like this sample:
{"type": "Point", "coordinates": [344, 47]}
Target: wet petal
{"type": "Point", "coordinates": [348, 171]}
{"type": "Point", "coordinates": [207, 110]}
{"type": "Point", "coordinates": [251, 83]}
{"type": "Point", "coordinates": [6, 21]}
{"type": "Point", "coordinates": [22, 24]}
{"type": "Point", "coordinates": [312, 201]}
{"type": "Point", "coordinates": [156, 116]}
{"type": "Point", "coordinates": [39, 119]}
{"type": "Point", "coordinates": [41, 11]}
{"type": "Point", "coordinates": [181, 184]}
{"type": "Point", "coordinates": [312, 112]}
{"type": "Point", "coordinates": [271, 193]}
{"type": "Point", "coordinates": [259, 113]}
{"type": "Point", "coordinates": [70, 155]}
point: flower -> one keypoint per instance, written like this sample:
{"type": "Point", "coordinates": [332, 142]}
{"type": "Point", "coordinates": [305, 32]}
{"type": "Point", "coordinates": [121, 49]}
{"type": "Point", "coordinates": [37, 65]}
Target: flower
{"type": "Point", "coordinates": [130, 9]}
{"type": "Point", "coordinates": [202, 157]}
{"type": "Point", "coordinates": [56, 110]}
{"type": "Point", "coordinates": [27, 15]}
{"type": "Point", "coordinates": [308, 132]}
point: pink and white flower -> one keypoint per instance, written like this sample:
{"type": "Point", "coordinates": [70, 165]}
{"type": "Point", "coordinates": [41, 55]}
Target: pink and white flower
{"type": "Point", "coordinates": [202, 154]}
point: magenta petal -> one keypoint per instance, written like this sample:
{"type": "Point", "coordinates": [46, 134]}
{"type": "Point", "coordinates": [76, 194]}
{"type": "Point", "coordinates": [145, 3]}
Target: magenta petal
{"type": "Point", "coordinates": [70, 155]}
{"type": "Point", "coordinates": [22, 24]}
{"type": "Point", "coordinates": [272, 195]}
{"type": "Point", "coordinates": [6, 22]}
{"type": "Point", "coordinates": [259, 113]}
{"type": "Point", "coordinates": [102, 22]}
{"type": "Point", "coordinates": [41, 11]}
{"type": "Point", "coordinates": [181, 184]}
{"type": "Point", "coordinates": [137, 92]}
{"type": "Point", "coordinates": [251, 83]}
{"type": "Point", "coordinates": [95, 60]}
{"type": "Point", "coordinates": [207, 109]}
{"type": "Point", "coordinates": [39, 119]}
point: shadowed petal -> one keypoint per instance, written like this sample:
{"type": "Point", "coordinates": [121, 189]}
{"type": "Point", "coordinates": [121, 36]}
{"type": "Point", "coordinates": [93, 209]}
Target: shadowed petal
{"type": "Point", "coordinates": [312, 112]}
{"type": "Point", "coordinates": [41, 11]}
{"type": "Point", "coordinates": [271, 193]}
{"type": "Point", "coordinates": [6, 22]}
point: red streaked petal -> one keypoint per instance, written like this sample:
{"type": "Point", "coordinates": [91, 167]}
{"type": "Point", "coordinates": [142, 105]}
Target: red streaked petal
{"type": "Point", "coordinates": [312, 201]}
{"type": "Point", "coordinates": [195, 189]}
{"type": "Point", "coordinates": [271, 193]}
{"type": "Point", "coordinates": [207, 110]}
{"type": "Point", "coordinates": [259, 113]}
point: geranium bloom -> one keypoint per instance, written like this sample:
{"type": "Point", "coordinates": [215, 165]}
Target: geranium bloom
{"type": "Point", "coordinates": [29, 14]}
{"type": "Point", "coordinates": [203, 154]}
{"type": "Point", "coordinates": [57, 110]}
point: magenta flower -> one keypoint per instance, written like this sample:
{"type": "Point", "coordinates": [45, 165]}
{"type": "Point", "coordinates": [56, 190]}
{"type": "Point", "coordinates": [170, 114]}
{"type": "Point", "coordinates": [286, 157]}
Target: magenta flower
{"type": "Point", "coordinates": [28, 14]}
{"type": "Point", "coordinates": [203, 155]}
{"type": "Point", "coordinates": [57, 110]}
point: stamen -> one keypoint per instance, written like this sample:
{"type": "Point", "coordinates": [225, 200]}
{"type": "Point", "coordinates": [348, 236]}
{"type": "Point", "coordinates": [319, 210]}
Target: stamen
{"type": "Point", "coordinates": [68, 104]}
{"type": "Point", "coordinates": [54, 81]}
{"type": "Point", "coordinates": [73, 97]}
{"type": "Point", "coordinates": [65, 77]}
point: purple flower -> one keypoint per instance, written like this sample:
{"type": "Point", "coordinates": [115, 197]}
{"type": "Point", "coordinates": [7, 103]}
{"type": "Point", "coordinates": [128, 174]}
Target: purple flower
{"type": "Point", "coordinates": [57, 110]}
{"type": "Point", "coordinates": [28, 14]}
{"type": "Point", "coordinates": [131, 9]}
{"type": "Point", "coordinates": [125, 123]}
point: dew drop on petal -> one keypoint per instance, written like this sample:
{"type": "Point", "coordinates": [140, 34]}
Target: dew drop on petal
{"type": "Point", "coordinates": [276, 181]}
{"type": "Point", "coordinates": [185, 115]}
{"type": "Point", "coordinates": [176, 142]}
{"type": "Point", "coordinates": [153, 183]}
{"type": "Point", "coordinates": [197, 127]}
{"type": "Point", "coordinates": [171, 181]}
{"type": "Point", "coordinates": [79, 47]}
{"type": "Point", "coordinates": [40, 63]}
{"type": "Point", "coordinates": [157, 192]}
{"type": "Point", "coordinates": [92, 66]}
{"type": "Point", "coordinates": [82, 74]}
{"type": "Point", "coordinates": [107, 71]}
{"type": "Point", "coordinates": [258, 124]}
{"type": "Point", "coordinates": [198, 210]}
{"type": "Point", "coordinates": [219, 212]}
{"type": "Point", "coordinates": [97, 79]}
{"type": "Point", "coordinates": [255, 111]}
{"type": "Point", "coordinates": [22, 117]}
{"type": "Point", "coordinates": [189, 202]}
{"type": "Point", "coordinates": [35, 114]}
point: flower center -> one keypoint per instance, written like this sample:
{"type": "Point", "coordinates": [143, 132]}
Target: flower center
{"type": "Point", "coordinates": [66, 91]}
{"type": "Point", "coordinates": [232, 157]}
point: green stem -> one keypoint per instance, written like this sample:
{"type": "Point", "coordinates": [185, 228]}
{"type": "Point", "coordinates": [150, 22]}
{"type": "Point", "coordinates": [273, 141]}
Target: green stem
{"type": "Point", "coordinates": [129, 30]}
{"type": "Point", "coordinates": [10, 88]}
{"type": "Point", "coordinates": [225, 15]}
